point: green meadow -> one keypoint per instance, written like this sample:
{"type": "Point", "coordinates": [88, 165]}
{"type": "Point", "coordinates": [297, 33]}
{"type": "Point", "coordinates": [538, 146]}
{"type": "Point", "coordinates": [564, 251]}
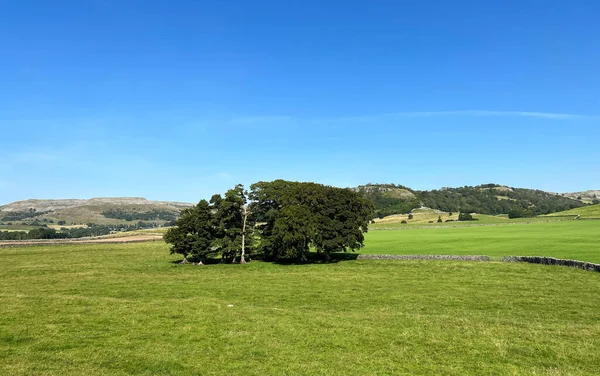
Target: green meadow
{"type": "Point", "coordinates": [579, 240]}
{"type": "Point", "coordinates": [130, 309]}
{"type": "Point", "coordinates": [591, 211]}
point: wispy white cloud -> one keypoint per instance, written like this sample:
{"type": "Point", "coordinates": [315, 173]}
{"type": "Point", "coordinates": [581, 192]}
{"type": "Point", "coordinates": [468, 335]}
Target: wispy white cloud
{"type": "Point", "coordinates": [251, 120]}
{"type": "Point", "coordinates": [488, 113]}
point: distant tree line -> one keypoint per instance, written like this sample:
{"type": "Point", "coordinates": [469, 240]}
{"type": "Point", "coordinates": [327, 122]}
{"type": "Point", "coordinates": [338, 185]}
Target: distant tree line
{"type": "Point", "coordinates": [71, 233]}
{"type": "Point", "coordinates": [489, 199]}
{"type": "Point", "coordinates": [128, 215]}
{"type": "Point", "coordinates": [278, 220]}
{"type": "Point", "coordinates": [13, 216]}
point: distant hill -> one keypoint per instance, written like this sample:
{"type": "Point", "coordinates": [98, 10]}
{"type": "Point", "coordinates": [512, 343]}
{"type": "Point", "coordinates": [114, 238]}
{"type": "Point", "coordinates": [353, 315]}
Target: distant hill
{"type": "Point", "coordinates": [592, 196]}
{"type": "Point", "coordinates": [492, 199]}
{"type": "Point", "coordinates": [588, 211]}
{"type": "Point", "coordinates": [68, 212]}
{"type": "Point", "coordinates": [390, 199]}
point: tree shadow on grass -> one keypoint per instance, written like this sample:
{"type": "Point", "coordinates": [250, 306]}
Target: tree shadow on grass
{"type": "Point", "coordinates": [313, 258]}
{"type": "Point", "coordinates": [192, 260]}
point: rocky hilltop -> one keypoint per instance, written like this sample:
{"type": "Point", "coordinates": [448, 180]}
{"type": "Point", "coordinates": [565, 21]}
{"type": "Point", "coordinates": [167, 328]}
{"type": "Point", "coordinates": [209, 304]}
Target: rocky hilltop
{"type": "Point", "coordinates": [103, 210]}
{"type": "Point", "coordinates": [586, 196]}
{"type": "Point", "coordinates": [58, 204]}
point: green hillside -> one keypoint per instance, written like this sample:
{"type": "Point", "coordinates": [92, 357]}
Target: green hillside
{"type": "Point", "coordinates": [489, 199]}
{"type": "Point", "coordinates": [102, 211]}
{"type": "Point", "coordinates": [590, 211]}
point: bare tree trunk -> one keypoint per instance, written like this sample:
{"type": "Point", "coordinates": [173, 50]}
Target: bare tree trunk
{"type": "Point", "coordinates": [242, 259]}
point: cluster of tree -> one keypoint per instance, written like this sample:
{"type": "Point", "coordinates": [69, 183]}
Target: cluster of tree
{"type": "Point", "coordinates": [13, 216]}
{"type": "Point", "coordinates": [390, 199]}
{"type": "Point", "coordinates": [129, 215]}
{"type": "Point", "coordinates": [465, 217]}
{"type": "Point", "coordinates": [281, 220]}
{"type": "Point", "coordinates": [521, 213]}
{"type": "Point", "coordinates": [70, 233]}
{"type": "Point", "coordinates": [37, 233]}
{"type": "Point", "coordinates": [490, 199]}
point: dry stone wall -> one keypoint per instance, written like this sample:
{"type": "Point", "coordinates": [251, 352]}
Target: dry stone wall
{"type": "Point", "coordinates": [554, 261]}
{"type": "Point", "coordinates": [423, 257]}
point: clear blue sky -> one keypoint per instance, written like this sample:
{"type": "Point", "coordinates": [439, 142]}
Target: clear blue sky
{"type": "Point", "coordinates": [178, 100]}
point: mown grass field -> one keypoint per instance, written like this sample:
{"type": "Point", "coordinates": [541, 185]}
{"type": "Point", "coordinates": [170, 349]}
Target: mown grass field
{"type": "Point", "coordinates": [128, 309]}
{"type": "Point", "coordinates": [592, 211]}
{"type": "Point", "coordinates": [423, 220]}
{"type": "Point", "coordinates": [570, 239]}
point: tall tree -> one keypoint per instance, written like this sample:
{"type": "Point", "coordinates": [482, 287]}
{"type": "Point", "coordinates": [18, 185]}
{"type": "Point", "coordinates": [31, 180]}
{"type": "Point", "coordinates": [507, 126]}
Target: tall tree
{"type": "Point", "coordinates": [295, 216]}
{"type": "Point", "coordinates": [231, 222]}
{"type": "Point", "coordinates": [194, 232]}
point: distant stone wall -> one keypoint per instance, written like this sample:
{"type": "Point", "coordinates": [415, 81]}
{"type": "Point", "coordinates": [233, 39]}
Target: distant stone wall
{"type": "Point", "coordinates": [27, 243]}
{"type": "Point", "coordinates": [554, 261]}
{"type": "Point", "coordinates": [423, 257]}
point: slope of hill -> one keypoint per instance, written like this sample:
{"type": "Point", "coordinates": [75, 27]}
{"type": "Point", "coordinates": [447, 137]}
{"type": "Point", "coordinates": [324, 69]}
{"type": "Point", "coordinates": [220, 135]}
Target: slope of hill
{"type": "Point", "coordinates": [589, 211]}
{"type": "Point", "coordinates": [96, 210]}
{"type": "Point", "coordinates": [492, 199]}
{"type": "Point", "coordinates": [592, 196]}
{"type": "Point", "coordinates": [390, 198]}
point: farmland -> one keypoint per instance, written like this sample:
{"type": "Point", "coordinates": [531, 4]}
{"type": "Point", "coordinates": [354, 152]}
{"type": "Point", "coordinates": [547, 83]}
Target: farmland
{"type": "Point", "coordinates": [565, 239]}
{"type": "Point", "coordinates": [592, 211]}
{"type": "Point", "coordinates": [119, 309]}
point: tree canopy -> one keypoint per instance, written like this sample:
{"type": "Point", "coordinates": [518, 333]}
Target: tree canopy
{"type": "Point", "coordinates": [281, 220]}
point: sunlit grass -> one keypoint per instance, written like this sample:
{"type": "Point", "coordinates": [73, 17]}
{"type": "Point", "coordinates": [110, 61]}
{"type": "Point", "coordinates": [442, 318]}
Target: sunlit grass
{"type": "Point", "coordinates": [127, 309]}
{"type": "Point", "coordinates": [567, 239]}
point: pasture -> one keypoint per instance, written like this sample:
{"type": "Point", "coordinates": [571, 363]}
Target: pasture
{"type": "Point", "coordinates": [591, 211]}
{"type": "Point", "coordinates": [569, 239]}
{"type": "Point", "coordinates": [123, 309]}
{"type": "Point", "coordinates": [429, 219]}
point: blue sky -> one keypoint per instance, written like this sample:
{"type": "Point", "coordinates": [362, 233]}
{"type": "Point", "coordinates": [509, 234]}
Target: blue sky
{"type": "Point", "coordinates": [177, 100]}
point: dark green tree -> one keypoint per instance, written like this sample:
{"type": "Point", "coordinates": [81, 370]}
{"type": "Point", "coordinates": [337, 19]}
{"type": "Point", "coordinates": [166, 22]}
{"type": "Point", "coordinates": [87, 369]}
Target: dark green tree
{"type": "Point", "coordinates": [194, 233]}
{"type": "Point", "coordinates": [295, 216]}
{"type": "Point", "coordinates": [232, 222]}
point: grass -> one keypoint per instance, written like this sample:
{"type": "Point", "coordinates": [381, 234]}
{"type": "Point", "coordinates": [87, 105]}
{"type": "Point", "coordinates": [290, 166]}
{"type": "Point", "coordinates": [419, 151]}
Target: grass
{"type": "Point", "coordinates": [578, 240]}
{"type": "Point", "coordinates": [17, 227]}
{"type": "Point", "coordinates": [422, 219]}
{"type": "Point", "coordinates": [591, 211]}
{"type": "Point", "coordinates": [127, 309]}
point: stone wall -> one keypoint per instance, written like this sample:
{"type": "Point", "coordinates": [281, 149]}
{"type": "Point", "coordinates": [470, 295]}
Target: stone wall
{"type": "Point", "coordinates": [554, 261]}
{"type": "Point", "coordinates": [423, 257]}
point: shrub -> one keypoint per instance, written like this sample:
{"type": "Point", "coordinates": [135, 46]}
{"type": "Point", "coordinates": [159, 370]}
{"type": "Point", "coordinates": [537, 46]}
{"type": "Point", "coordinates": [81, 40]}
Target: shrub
{"type": "Point", "coordinates": [410, 216]}
{"type": "Point", "coordinates": [465, 217]}
{"type": "Point", "coordinates": [440, 219]}
{"type": "Point", "coordinates": [404, 222]}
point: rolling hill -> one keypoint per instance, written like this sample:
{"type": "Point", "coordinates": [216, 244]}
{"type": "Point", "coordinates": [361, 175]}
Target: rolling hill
{"type": "Point", "coordinates": [592, 196]}
{"type": "Point", "coordinates": [490, 199]}
{"type": "Point", "coordinates": [75, 212]}
{"type": "Point", "coordinates": [590, 211]}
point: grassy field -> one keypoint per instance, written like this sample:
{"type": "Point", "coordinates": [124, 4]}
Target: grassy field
{"type": "Point", "coordinates": [578, 240]}
{"type": "Point", "coordinates": [592, 211]}
{"type": "Point", "coordinates": [127, 309]}
{"type": "Point", "coordinates": [17, 227]}
{"type": "Point", "coordinates": [423, 219]}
